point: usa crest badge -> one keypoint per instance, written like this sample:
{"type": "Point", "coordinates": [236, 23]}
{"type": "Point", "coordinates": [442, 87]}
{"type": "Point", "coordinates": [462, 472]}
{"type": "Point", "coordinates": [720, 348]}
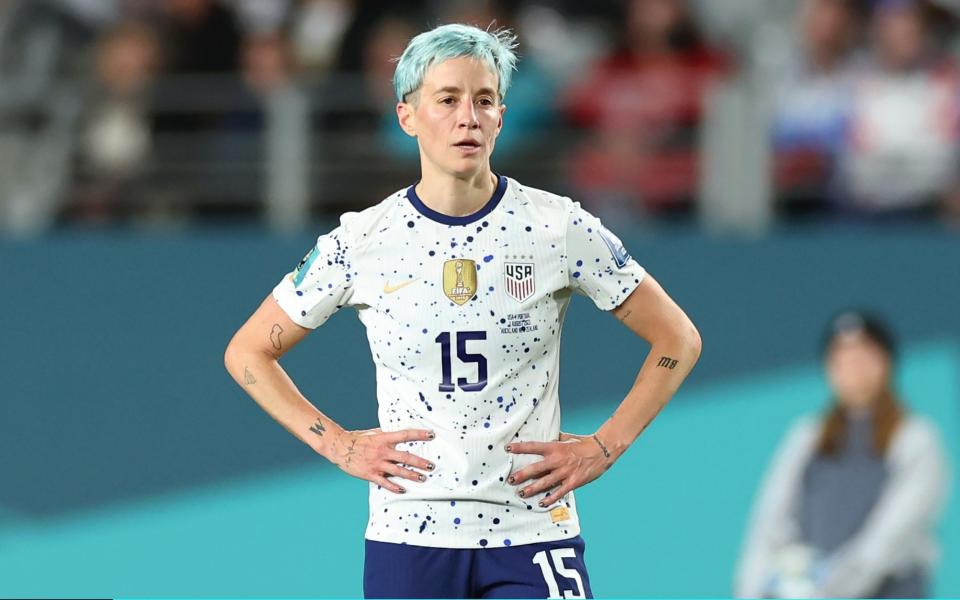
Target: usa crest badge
{"type": "Point", "coordinates": [518, 280]}
{"type": "Point", "coordinates": [460, 279]}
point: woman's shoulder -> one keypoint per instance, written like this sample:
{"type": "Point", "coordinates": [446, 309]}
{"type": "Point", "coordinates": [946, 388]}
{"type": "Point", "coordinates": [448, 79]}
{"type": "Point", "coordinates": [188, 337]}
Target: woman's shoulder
{"type": "Point", "coordinates": [917, 433]}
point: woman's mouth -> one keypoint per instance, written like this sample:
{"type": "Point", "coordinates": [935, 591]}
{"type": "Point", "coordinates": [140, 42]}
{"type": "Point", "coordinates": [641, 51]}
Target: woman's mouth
{"type": "Point", "coordinates": [467, 147]}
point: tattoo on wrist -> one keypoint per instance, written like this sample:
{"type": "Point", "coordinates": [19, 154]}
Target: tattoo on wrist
{"type": "Point", "coordinates": [275, 337]}
{"type": "Point", "coordinates": [606, 453]}
{"type": "Point", "coordinates": [351, 451]}
{"type": "Point", "coordinates": [318, 427]}
{"type": "Point", "coordinates": [667, 362]}
{"type": "Point", "coordinates": [248, 377]}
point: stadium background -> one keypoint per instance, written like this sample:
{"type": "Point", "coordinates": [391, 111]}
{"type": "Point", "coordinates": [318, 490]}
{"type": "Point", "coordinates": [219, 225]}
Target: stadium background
{"type": "Point", "coordinates": [163, 163]}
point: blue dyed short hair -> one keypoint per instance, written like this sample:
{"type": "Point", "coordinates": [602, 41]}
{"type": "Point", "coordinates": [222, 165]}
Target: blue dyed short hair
{"type": "Point", "coordinates": [494, 48]}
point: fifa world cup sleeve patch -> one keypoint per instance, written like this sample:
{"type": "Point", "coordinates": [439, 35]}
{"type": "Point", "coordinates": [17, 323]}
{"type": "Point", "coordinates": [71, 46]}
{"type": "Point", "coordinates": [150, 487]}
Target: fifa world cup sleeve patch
{"type": "Point", "coordinates": [301, 271]}
{"type": "Point", "coordinates": [620, 254]}
{"type": "Point", "coordinates": [560, 513]}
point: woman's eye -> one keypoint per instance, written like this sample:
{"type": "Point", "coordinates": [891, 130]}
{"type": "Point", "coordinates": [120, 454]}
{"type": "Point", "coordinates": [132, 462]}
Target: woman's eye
{"type": "Point", "coordinates": [447, 100]}
{"type": "Point", "coordinates": [486, 102]}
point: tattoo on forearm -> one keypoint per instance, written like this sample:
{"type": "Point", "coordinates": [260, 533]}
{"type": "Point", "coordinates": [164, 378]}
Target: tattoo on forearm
{"type": "Point", "coordinates": [275, 337]}
{"type": "Point", "coordinates": [248, 377]}
{"type": "Point", "coordinates": [606, 453]}
{"type": "Point", "coordinates": [667, 362]}
{"type": "Point", "coordinates": [626, 314]}
{"type": "Point", "coordinates": [318, 427]}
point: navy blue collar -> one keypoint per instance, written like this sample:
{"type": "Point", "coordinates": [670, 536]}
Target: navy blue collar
{"type": "Point", "coordinates": [439, 217]}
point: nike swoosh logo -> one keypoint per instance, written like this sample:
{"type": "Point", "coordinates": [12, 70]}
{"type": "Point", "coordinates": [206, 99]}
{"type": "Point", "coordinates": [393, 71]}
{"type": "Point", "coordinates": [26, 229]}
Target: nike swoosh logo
{"type": "Point", "coordinates": [389, 289]}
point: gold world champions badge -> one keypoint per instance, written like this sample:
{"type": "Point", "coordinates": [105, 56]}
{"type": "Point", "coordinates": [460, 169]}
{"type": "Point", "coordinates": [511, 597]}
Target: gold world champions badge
{"type": "Point", "coordinates": [459, 279]}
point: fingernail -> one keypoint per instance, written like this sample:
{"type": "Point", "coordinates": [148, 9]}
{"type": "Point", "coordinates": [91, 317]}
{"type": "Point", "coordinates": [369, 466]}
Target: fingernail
{"type": "Point", "coordinates": [507, 447]}
{"type": "Point", "coordinates": [542, 505]}
{"type": "Point", "coordinates": [403, 491]}
{"type": "Point", "coordinates": [511, 479]}
{"type": "Point", "coordinates": [423, 477]}
{"type": "Point", "coordinates": [431, 435]}
{"type": "Point", "coordinates": [522, 493]}
{"type": "Point", "coordinates": [430, 466]}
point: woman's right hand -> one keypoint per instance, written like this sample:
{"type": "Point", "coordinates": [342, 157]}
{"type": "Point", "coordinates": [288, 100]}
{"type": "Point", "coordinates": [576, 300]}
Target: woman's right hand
{"type": "Point", "coordinates": [370, 454]}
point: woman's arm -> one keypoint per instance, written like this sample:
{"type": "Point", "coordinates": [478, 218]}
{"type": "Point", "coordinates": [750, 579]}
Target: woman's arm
{"type": "Point", "coordinates": [252, 359]}
{"type": "Point", "coordinates": [675, 347]}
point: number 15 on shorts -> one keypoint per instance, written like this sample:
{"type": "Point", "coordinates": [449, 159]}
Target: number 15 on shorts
{"type": "Point", "coordinates": [558, 554]}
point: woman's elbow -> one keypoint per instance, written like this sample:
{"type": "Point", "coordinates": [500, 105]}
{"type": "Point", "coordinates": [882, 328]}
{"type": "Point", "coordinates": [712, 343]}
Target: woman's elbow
{"type": "Point", "coordinates": [230, 353]}
{"type": "Point", "coordinates": [694, 341]}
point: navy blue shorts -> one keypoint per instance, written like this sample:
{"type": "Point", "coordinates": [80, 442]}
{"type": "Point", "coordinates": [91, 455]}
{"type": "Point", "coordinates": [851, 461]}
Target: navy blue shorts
{"type": "Point", "coordinates": [543, 570]}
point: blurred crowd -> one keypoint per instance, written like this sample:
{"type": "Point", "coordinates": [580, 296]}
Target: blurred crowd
{"type": "Point", "coordinates": [866, 112]}
{"type": "Point", "coordinates": [181, 102]}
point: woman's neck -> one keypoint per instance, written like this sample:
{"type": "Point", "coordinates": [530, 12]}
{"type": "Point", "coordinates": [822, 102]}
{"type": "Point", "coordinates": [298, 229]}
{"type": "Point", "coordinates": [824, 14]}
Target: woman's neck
{"type": "Point", "coordinates": [455, 196]}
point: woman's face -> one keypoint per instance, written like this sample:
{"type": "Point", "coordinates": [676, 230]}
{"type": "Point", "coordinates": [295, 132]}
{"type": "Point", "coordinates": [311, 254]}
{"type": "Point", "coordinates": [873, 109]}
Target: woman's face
{"type": "Point", "coordinates": [858, 369]}
{"type": "Point", "coordinates": [455, 116]}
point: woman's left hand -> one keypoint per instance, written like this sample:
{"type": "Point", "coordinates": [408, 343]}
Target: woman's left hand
{"type": "Point", "coordinates": [571, 462]}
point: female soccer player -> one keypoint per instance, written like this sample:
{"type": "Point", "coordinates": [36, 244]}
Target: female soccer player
{"type": "Point", "coordinates": [462, 281]}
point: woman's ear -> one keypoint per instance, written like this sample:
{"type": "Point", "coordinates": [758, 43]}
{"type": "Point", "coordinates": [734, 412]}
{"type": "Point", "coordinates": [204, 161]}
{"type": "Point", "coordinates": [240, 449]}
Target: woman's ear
{"type": "Point", "coordinates": [407, 118]}
{"type": "Point", "coordinates": [503, 109]}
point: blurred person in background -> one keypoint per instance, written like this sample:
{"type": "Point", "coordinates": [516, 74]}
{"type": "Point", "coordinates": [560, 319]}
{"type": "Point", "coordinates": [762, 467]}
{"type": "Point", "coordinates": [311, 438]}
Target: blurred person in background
{"type": "Point", "coordinates": [201, 36]}
{"type": "Point", "coordinates": [317, 30]}
{"type": "Point", "coordinates": [267, 63]}
{"type": "Point", "coordinates": [812, 105]}
{"type": "Point", "coordinates": [116, 137]}
{"type": "Point", "coordinates": [850, 501]}
{"type": "Point", "coordinates": [642, 107]}
{"type": "Point", "coordinates": [900, 160]}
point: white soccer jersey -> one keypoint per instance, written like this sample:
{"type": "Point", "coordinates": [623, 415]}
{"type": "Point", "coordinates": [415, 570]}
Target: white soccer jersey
{"type": "Point", "coordinates": [463, 316]}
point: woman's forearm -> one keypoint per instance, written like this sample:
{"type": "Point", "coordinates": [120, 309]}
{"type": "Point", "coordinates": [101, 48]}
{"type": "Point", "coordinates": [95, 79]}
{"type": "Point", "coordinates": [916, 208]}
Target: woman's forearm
{"type": "Point", "coordinates": [666, 366]}
{"type": "Point", "coordinates": [262, 377]}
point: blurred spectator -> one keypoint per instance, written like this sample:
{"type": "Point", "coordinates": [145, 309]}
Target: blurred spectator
{"type": "Point", "coordinates": [317, 31]}
{"type": "Point", "coordinates": [902, 153]}
{"type": "Point", "coordinates": [201, 36]}
{"type": "Point", "coordinates": [812, 104]}
{"type": "Point", "coordinates": [268, 63]}
{"type": "Point", "coordinates": [116, 136]}
{"type": "Point", "coordinates": [850, 502]}
{"type": "Point", "coordinates": [642, 106]}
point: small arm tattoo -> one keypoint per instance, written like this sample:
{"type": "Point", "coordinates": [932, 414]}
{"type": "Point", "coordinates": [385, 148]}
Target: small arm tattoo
{"type": "Point", "coordinates": [626, 314]}
{"type": "Point", "coordinates": [318, 427]}
{"type": "Point", "coordinates": [350, 451]}
{"type": "Point", "coordinates": [248, 377]}
{"type": "Point", "coordinates": [606, 453]}
{"type": "Point", "coordinates": [667, 362]}
{"type": "Point", "coordinates": [275, 337]}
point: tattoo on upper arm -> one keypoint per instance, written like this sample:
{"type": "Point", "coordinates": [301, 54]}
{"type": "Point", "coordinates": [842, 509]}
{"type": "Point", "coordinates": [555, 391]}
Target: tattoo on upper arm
{"type": "Point", "coordinates": [275, 337]}
{"type": "Point", "coordinates": [667, 362]}
{"type": "Point", "coordinates": [318, 427]}
{"type": "Point", "coordinates": [248, 377]}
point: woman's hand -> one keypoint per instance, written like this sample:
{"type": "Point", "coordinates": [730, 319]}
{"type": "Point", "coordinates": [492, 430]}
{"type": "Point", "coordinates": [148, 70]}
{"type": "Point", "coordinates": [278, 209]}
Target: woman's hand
{"type": "Point", "coordinates": [370, 454]}
{"type": "Point", "coordinates": [572, 462]}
